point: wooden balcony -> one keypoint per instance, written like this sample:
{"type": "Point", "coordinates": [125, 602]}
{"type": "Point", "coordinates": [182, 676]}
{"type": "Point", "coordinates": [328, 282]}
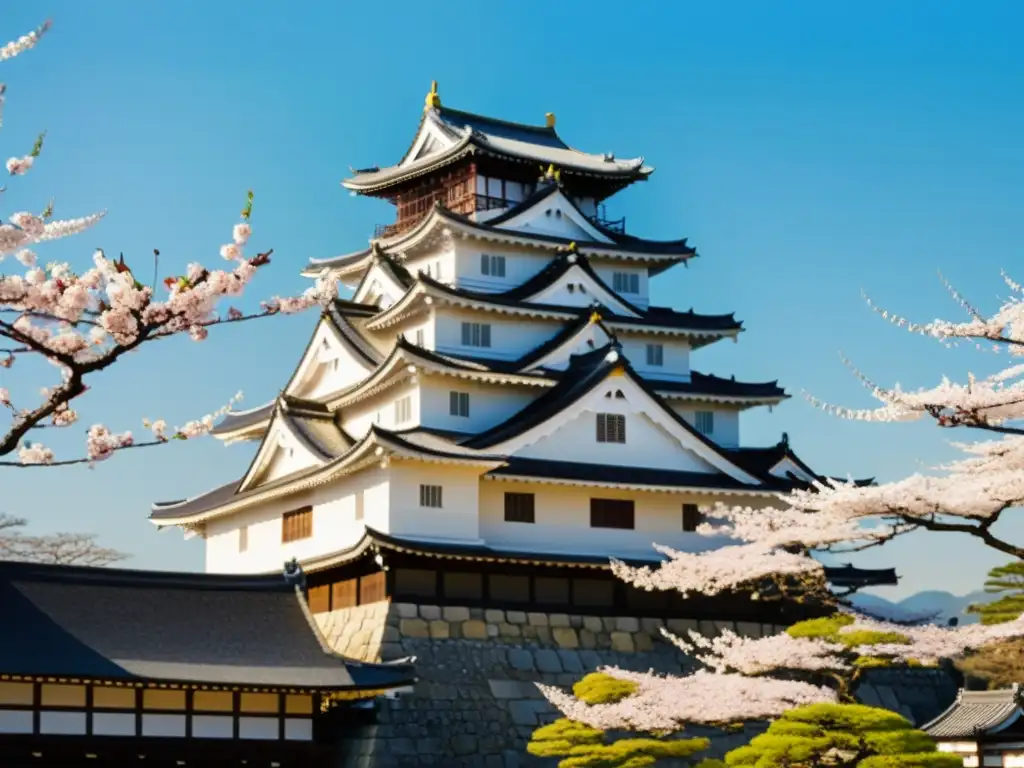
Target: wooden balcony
{"type": "Point", "coordinates": [466, 204]}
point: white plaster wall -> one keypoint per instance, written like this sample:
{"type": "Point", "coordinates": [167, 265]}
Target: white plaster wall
{"type": "Point", "coordinates": [424, 323]}
{"type": "Point", "coordinates": [334, 525]}
{"type": "Point", "coordinates": [332, 367]}
{"type": "Point", "coordinates": [489, 404]}
{"type": "Point", "coordinates": [606, 270]}
{"type": "Point", "coordinates": [675, 354]}
{"type": "Point", "coordinates": [726, 421]}
{"type": "Point", "coordinates": [587, 205]}
{"type": "Point", "coordinates": [356, 419]}
{"type": "Point", "coordinates": [511, 336]}
{"type": "Point", "coordinates": [441, 259]}
{"type": "Point", "coordinates": [562, 521]}
{"type": "Point", "coordinates": [456, 519]}
{"type": "Point", "coordinates": [520, 265]}
{"type": "Point", "coordinates": [647, 445]}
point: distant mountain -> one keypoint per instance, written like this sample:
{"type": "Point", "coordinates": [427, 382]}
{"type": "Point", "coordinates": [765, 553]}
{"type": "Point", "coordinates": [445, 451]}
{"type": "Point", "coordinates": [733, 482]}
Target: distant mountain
{"type": "Point", "coordinates": [943, 604]}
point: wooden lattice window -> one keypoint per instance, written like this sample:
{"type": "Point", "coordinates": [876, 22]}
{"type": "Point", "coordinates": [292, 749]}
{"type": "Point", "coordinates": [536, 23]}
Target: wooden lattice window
{"type": "Point", "coordinates": [297, 524]}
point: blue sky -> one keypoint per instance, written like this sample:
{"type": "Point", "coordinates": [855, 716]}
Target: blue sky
{"type": "Point", "coordinates": [809, 150]}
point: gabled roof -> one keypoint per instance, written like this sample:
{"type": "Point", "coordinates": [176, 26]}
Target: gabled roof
{"type": "Point", "coordinates": [590, 371]}
{"type": "Point", "coordinates": [377, 444]}
{"type": "Point", "coordinates": [975, 714]}
{"type": "Point", "coordinates": [459, 134]}
{"type": "Point", "coordinates": [72, 622]}
{"type": "Point", "coordinates": [373, 540]}
{"type": "Point", "coordinates": [653, 319]}
{"type": "Point", "coordinates": [660, 254]}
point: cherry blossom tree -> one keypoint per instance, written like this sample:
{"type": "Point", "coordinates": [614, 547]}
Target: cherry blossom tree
{"type": "Point", "coordinates": [770, 558]}
{"type": "Point", "coordinates": [82, 321]}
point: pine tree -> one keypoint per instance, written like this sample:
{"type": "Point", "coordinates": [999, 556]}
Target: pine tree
{"type": "Point", "coordinates": [840, 736]}
{"type": "Point", "coordinates": [584, 747]}
{"type": "Point", "coordinates": [1003, 579]}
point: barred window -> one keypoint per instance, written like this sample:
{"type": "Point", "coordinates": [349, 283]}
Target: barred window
{"type": "Point", "coordinates": [704, 422]}
{"type": "Point", "coordinates": [430, 496]}
{"type": "Point", "coordinates": [655, 355]}
{"type": "Point", "coordinates": [612, 513]}
{"type": "Point", "coordinates": [611, 428]}
{"type": "Point", "coordinates": [476, 335]}
{"type": "Point", "coordinates": [692, 517]}
{"type": "Point", "coordinates": [458, 404]}
{"type": "Point", "coordinates": [519, 508]}
{"type": "Point", "coordinates": [296, 525]}
{"type": "Point", "coordinates": [492, 265]}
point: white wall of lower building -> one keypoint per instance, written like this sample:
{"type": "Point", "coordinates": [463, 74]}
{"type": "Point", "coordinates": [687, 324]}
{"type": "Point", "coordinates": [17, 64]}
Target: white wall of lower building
{"type": "Point", "coordinates": [726, 420]}
{"type": "Point", "coordinates": [675, 355]}
{"type": "Point", "coordinates": [438, 264]}
{"type": "Point", "coordinates": [562, 520]}
{"type": "Point", "coordinates": [520, 265]}
{"type": "Point", "coordinates": [357, 418]}
{"type": "Point", "coordinates": [489, 404]}
{"type": "Point", "coordinates": [334, 525]}
{"type": "Point", "coordinates": [511, 336]}
{"type": "Point", "coordinates": [456, 518]}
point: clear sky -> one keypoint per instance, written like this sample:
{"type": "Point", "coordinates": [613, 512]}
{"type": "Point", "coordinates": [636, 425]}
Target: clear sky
{"type": "Point", "coordinates": [809, 150]}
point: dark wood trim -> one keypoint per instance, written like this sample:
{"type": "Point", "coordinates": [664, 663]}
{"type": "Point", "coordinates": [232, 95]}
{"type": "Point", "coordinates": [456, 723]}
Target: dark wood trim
{"type": "Point", "coordinates": [37, 705]}
{"type": "Point", "coordinates": [189, 712]}
{"type": "Point", "coordinates": [138, 711]}
{"type": "Point", "coordinates": [89, 697]}
{"type": "Point", "coordinates": [280, 716]}
{"type": "Point", "coordinates": [236, 712]}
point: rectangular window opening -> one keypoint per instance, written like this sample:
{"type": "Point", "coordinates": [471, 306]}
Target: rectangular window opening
{"type": "Point", "coordinates": [612, 513]}
{"type": "Point", "coordinates": [704, 422]}
{"type": "Point", "coordinates": [458, 404]}
{"type": "Point", "coordinates": [692, 517]}
{"type": "Point", "coordinates": [476, 335]}
{"type": "Point", "coordinates": [296, 525]}
{"type": "Point", "coordinates": [430, 496]}
{"type": "Point", "coordinates": [655, 355]}
{"type": "Point", "coordinates": [611, 428]}
{"type": "Point", "coordinates": [519, 508]}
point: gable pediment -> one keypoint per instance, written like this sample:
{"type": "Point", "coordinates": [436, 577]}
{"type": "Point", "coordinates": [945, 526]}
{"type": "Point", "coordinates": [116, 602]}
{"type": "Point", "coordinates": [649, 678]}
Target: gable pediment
{"type": "Point", "coordinates": [654, 436]}
{"type": "Point", "coordinates": [557, 216]}
{"type": "Point", "coordinates": [577, 288]}
{"type": "Point", "coordinates": [329, 365]}
{"type": "Point", "coordinates": [788, 467]}
{"type": "Point", "coordinates": [590, 337]}
{"type": "Point", "coordinates": [430, 140]}
{"type": "Point", "coordinates": [282, 453]}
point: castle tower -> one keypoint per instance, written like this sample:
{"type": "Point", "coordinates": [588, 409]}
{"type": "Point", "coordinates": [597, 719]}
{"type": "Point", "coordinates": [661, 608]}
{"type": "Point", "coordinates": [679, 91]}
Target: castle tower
{"type": "Point", "coordinates": [495, 412]}
{"type": "Point", "coordinates": [497, 400]}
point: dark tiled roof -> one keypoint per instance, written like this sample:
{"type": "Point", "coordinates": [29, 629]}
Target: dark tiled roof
{"type": "Point", "coordinates": [662, 317]}
{"type": "Point", "coordinates": [540, 135]}
{"type": "Point", "coordinates": [607, 473]}
{"type": "Point", "coordinates": [620, 239]}
{"type": "Point", "coordinates": [707, 384]}
{"type": "Point", "coordinates": [484, 552]}
{"type": "Point", "coordinates": [100, 623]}
{"type": "Point", "coordinates": [975, 713]}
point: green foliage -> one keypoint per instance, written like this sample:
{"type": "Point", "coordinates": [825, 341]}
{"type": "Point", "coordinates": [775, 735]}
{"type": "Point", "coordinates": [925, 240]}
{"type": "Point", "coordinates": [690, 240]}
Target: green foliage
{"type": "Point", "coordinates": [598, 688]}
{"type": "Point", "coordinates": [1000, 664]}
{"type": "Point", "coordinates": [822, 629]}
{"type": "Point", "coordinates": [828, 628]}
{"type": "Point", "coordinates": [583, 747]}
{"type": "Point", "coordinates": [842, 736]}
{"type": "Point", "coordinates": [1004, 578]}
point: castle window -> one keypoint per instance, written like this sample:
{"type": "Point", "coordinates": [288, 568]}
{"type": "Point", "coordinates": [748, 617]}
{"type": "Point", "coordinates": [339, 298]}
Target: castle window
{"type": "Point", "coordinates": [403, 409]}
{"type": "Point", "coordinates": [458, 404]}
{"type": "Point", "coordinates": [243, 539]}
{"type": "Point", "coordinates": [612, 513]}
{"type": "Point", "coordinates": [519, 508]}
{"type": "Point", "coordinates": [626, 282]}
{"type": "Point", "coordinates": [476, 335]}
{"type": "Point", "coordinates": [419, 337]}
{"type": "Point", "coordinates": [655, 355]}
{"type": "Point", "coordinates": [492, 265]}
{"type": "Point", "coordinates": [296, 525]}
{"type": "Point", "coordinates": [691, 517]}
{"type": "Point", "coordinates": [704, 422]}
{"type": "Point", "coordinates": [430, 496]}
{"type": "Point", "coordinates": [611, 428]}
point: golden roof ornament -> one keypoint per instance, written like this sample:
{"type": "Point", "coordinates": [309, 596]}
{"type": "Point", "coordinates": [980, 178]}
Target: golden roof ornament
{"type": "Point", "coordinates": [549, 119]}
{"type": "Point", "coordinates": [552, 173]}
{"type": "Point", "coordinates": [572, 247]}
{"type": "Point", "coordinates": [433, 100]}
{"type": "Point", "coordinates": [595, 317]}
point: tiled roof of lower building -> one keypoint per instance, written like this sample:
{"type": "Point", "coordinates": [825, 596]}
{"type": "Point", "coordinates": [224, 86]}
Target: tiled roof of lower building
{"type": "Point", "coordinates": [975, 713]}
{"type": "Point", "coordinates": [187, 628]}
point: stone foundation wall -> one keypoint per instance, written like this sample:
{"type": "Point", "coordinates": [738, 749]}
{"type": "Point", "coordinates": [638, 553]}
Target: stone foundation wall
{"type": "Point", "coordinates": [477, 703]}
